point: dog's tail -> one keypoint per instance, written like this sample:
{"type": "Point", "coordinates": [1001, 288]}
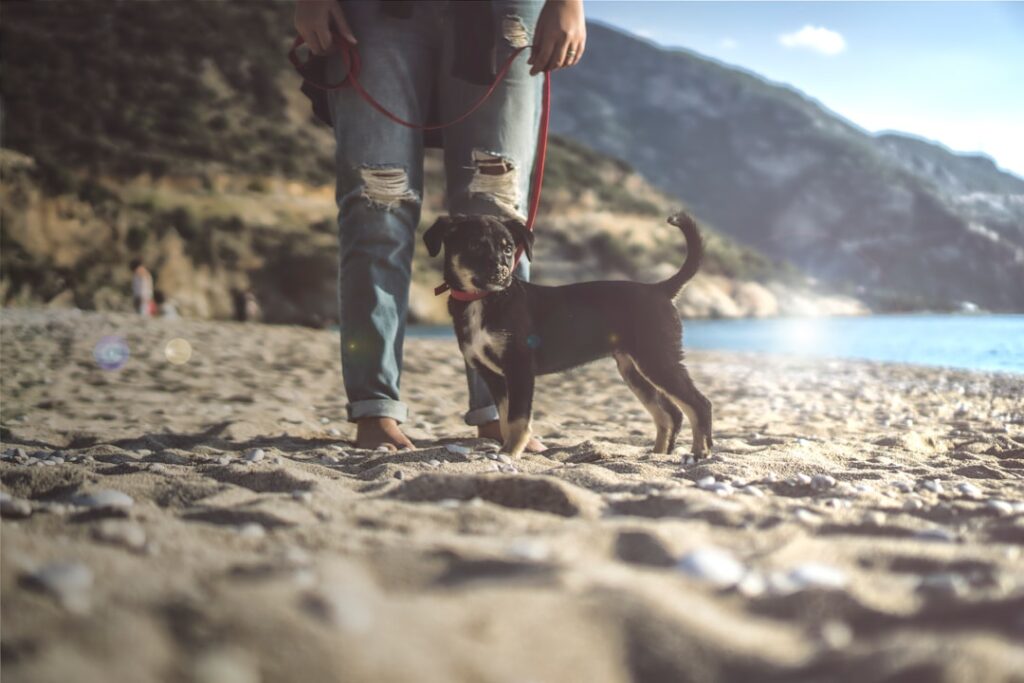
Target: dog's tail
{"type": "Point", "coordinates": [694, 253]}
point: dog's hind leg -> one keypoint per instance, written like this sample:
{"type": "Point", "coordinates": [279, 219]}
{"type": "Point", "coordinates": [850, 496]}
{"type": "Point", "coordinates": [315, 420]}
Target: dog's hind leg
{"type": "Point", "coordinates": [667, 417]}
{"type": "Point", "coordinates": [674, 382]}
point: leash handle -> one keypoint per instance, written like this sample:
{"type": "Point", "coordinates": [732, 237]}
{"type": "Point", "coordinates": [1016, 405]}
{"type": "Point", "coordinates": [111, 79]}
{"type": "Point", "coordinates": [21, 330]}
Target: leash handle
{"type": "Point", "coordinates": [350, 55]}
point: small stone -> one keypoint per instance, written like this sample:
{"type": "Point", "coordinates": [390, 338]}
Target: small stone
{"type": "Point", "coordinates": [329, 459]}
{"type": "Point", "coordinates": [495, 467]}
{"type": "Point", "coordinates": [713, 565]}
{"type": "Point", "coordinates": [455, 449]}
{"type": "Point", "coordinates": [254, 455]}
{"type": "Point", "coordinates": [945, 583]}
{"type": "Point", "coordinates": [968, 489]}
{"type": "Point", "coordinates": [999, 506]}
{"type": "Point", "coordinates": [252, 530]}
{"type": "Point", "coordinates": [913, 504]}
{"type": "Point", "coordinates": [504, 459]}
{"type": "Point", "coordinates": [835, 634]}
{"type": "Point", "coordinates": [448, 503]}
{"type": "Point", "coordinates": [800, 479]}
{"type": "Point", "coordinates": [341, 451]}
{"type": "Point", "coordinates": [334, 431]}
{"type": "Point", "coordinates": [528, 549]}
{"type": "Point", "coordinates": [324, 420]}
{"type": "Point", "coordinates": [57, 460]}
{"type": "Point", "coordinates": [903, 486]}
{"type": "Point", "coordinates": [813, 575]}
{"type": "Point", "coordinates": [706, 482]}
{"type": "Point", "coordinates": [434, 463]}
{"type": "Point", "coordinates": [399, 475]}
{"type": "Point", "coordinates": [722, 488]}
{"type": "Point", "coordinates": [822, 481]}
{"type": "Point", "coordinates": [936, 534]}
{"type": "Point", "coordinates": [104, 499]}
{"type": "Point", "coordinates": [491, 455]}
{"type": "Point", "coordinates": [128, 534]}
{"type": "Point", "coordinates": [68, 582]}
{"type": "Point", "coordinates": [933, 485]}
{"type": "Point", "coordinates": [302, 496]}
{"type": "Point", "coordinates": [807, 517]}
{"type": "Point", "coordinates": [383, 449]}
{"type": "Point", "coordinates": [753, 491]}
{"type": "Point", "coordinates": [14, 508]}
{"type": "Point", "coordinates": [143, 453]}
{"type": "Point", "coordinates": [864, 489]}
{"type": "Point", "coordinates": [158, 468]}
{"type": "Point", "coordinates": [224, 460]}
{"type": "Point", "coordinates": [875, 517]}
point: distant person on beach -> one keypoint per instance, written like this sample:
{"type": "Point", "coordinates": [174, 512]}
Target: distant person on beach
{"type": "Point", "coordinates": [425, 62]}
{"type": "Point", "coordinates": [142, 289]}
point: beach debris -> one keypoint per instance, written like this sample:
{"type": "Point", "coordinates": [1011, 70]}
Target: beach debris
{"type": "Point", "coordinates": [104, 499]}
{"type": "Point", "coordinates": [14, 508]}
{"type": "Point", "coordinates": [130, 535]}
{"type": "Point", "coordinates": [68, 582]}
{"type": "Point", "coordinates": [254, 455]}
{"type": "Point", "coordinates": [822, 481]}
{"type": "Point", "coordinates": [712, 565]}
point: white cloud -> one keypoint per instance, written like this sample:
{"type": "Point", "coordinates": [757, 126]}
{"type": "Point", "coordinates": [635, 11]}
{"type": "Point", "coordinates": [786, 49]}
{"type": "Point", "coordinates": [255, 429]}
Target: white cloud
{"type": "Point", "coordinates": [729, 44]}
{"type": "Point", "coordinates": [816, 38]}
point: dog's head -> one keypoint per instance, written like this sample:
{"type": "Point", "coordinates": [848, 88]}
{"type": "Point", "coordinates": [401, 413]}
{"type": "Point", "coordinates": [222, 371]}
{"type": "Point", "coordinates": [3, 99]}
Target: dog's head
{"type": "Point", "coordinates": [479, 251]}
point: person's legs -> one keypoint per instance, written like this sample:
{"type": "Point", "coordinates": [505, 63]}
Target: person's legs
{"type": "Point", "coordinates": [489, 156]}
{"type": "Point", "coordinates": [379, 186]}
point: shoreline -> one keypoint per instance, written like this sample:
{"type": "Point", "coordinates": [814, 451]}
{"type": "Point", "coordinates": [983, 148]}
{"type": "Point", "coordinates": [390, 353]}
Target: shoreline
{"type": "Point", "coordinates": [857, 520]}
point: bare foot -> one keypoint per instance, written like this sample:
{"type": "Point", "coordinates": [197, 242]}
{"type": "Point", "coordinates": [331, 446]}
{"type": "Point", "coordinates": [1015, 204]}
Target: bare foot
{"type": "Point", "coordinates": [374, 432]}
{"type": "Point", "coordinates": [492, 430]}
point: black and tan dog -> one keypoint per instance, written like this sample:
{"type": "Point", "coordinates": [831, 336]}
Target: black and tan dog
{"type": "Point", "coordinates": [521, 330]}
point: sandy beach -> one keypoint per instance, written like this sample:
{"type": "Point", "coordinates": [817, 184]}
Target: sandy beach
{"type": "Point", "coordinates": [208, 520]}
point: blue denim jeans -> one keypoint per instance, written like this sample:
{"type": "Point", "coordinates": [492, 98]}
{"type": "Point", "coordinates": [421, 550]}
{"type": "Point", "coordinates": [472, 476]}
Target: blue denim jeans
{"type": "Point", "coordinates": [488, 163]}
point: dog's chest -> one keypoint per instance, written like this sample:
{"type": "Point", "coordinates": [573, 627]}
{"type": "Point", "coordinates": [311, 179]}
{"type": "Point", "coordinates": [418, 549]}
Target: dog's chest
{"type": "Point", "coordinates": [480, 346]}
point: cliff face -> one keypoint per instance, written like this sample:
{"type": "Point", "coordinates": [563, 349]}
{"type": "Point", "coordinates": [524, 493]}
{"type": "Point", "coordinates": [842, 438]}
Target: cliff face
{"type": "Point", "coordinates": [180, 136]}
{"type": "Point", "coordinates": [903, 222]}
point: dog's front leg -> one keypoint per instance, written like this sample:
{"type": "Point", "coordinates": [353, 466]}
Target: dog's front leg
{"type": "Point", "coordinates": [520, 409]}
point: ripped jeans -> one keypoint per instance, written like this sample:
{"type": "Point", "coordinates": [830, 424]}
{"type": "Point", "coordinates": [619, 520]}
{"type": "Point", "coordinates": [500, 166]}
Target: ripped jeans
{"type": "Point", "coordinates": [488, 161]}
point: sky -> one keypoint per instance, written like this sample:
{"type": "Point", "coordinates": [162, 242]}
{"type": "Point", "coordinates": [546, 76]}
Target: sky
{"type": "Point", "coordinates": [952, 72]}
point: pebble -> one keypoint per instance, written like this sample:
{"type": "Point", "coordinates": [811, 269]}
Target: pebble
{"type": "Point", "coordinates": [813, 575]}
{"type": "Point", "coordinates": [302, 496]}
{"type": "Point", "coordinates": [449, 503]}
{"type": "Point", "coordinates": [456, 449]}
{"type": "Point", "coordinates": [384, 449]}
{"type": "Point", "coordinates": [158, 468]}
{"type": "Point", "coordinates": [434, 463]}
{"type": "Point", "coordinates": [399, 475]}
{"type": "Point", "coordinates": [254, 455]}
{"type": "Point", "coordinates": [68, 582]}
{"type": "Point", "coordinates": [875, 517]}
{"type": "Point", "coordinates": [14, 508]}
{"type": "Point", "coordinates": [495, 467]}
{"type": "Point", "coordinates": [341, 451]}
{"type": "Point", "coordinates": [822, 481]}
{"type": "Point", "coordinates": [329, 459]}
{"type": "Point", "coordinates": [800, 479]}
{"type": "Point", "coordinates": [864, 488]}
{"type": "Point", "coordinates": [252, 530]}
{"type": "Point", "coordinates": [999, 506]}
{"type": "Point", "coordinates": [807, 517]}
{"type": "Point", "coordinates": [722, 488]}
{"type": "Point", "coordinates": [104, 498]}
{"type": "Point", "coordinates": [334, 431]}
{"type": "Point", "coordinates": [706, 482]}
{"type": "Point", "coordinates": [945, 582]}
{"type": "Point", "coordinates": [491, 455]}
{"type": "Point", "coordinates": [504, 459]}
{"type": "Point", "coordinates": [936, 534]}
{"type": "Point", "coordinates": [57, 460]}
{"type": "Point", "coordinates": [528, 549]}
{"type": "Point", "coordinates": [968, 489]}
{"type": "Point", "coordinates": [903, 486]}
{"type": "Point", "coordinates": [128, 534]}
{"type": "Point", "coordinates": [713, 565]}
{"type": "Point", "coordinates": [753, 491]}
{"type": "Point", "coordinates": [933, 485]}
{"type": "Point", "coordinates": [224, 460]}
{"type": "Point", "coordinates": [913, 504]}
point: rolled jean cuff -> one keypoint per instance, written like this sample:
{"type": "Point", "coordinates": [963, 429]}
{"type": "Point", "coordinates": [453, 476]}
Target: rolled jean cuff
{"type": "Point", "coordinates": [378, 408]}
{"type": "Point", "coordinates": [481, 416]}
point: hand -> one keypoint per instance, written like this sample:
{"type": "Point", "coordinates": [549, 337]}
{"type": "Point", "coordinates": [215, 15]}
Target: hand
{"type": "Point", "coordinates": [560, 36]}
{"type": "Point", "coordinates": [313, 19]}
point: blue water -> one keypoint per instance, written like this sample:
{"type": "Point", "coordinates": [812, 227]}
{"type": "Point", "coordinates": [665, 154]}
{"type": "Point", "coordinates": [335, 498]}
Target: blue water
{"type": "Point", "coordinates": [976, 342]}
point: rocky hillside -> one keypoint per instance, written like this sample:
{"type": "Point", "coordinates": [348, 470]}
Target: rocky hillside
{"type": "Point", "coordinates": [906, 223]}
{"type": "Point", "coordinates": [180, 136]}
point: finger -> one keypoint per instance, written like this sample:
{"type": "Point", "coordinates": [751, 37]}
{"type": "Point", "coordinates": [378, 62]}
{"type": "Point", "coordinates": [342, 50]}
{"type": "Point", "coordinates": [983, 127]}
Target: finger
{"type": "Point", "coordinates": [557, 60]}
{"type": "Point", "coordinates": [542, 57]}
{"type": "Point", "coordinates": [324, 34]}
{"type": "Point", "coordinates": [575, 58]}
{"type": "Point", "coordinates": [342, 23]}
{"type": "Point", "coordinates": [312, 41]}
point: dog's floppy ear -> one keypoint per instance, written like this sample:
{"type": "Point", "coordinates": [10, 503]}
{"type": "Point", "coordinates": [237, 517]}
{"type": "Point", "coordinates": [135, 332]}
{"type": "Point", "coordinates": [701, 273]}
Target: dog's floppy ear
{"type": "Point", "coordinates": [435, 235]}
{"type": "Point", "coordinates": [521, 235]}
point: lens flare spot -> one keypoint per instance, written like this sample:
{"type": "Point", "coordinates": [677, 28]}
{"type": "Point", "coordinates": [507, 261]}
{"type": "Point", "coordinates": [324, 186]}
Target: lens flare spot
{"type": "Point", "coordinates": [178, 351]}
{"type": "Point", "coordinates": [111, 352]}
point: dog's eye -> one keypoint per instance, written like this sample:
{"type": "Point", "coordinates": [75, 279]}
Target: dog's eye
{"type": "Point", "coordinates": [508, 249]}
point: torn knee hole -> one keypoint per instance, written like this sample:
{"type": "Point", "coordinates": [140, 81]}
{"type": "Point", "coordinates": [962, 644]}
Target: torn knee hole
{"type": "Point", "coordinates": [497, 179]}
{"type": "Point", "coordinates": [386, 186]}
{"type": "Point", "coordinates": [514, 31]}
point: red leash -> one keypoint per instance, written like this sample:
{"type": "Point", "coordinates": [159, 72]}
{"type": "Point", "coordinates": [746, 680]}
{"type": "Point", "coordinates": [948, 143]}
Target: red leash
{"type": "Point", "coordinates": [351, 58]}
